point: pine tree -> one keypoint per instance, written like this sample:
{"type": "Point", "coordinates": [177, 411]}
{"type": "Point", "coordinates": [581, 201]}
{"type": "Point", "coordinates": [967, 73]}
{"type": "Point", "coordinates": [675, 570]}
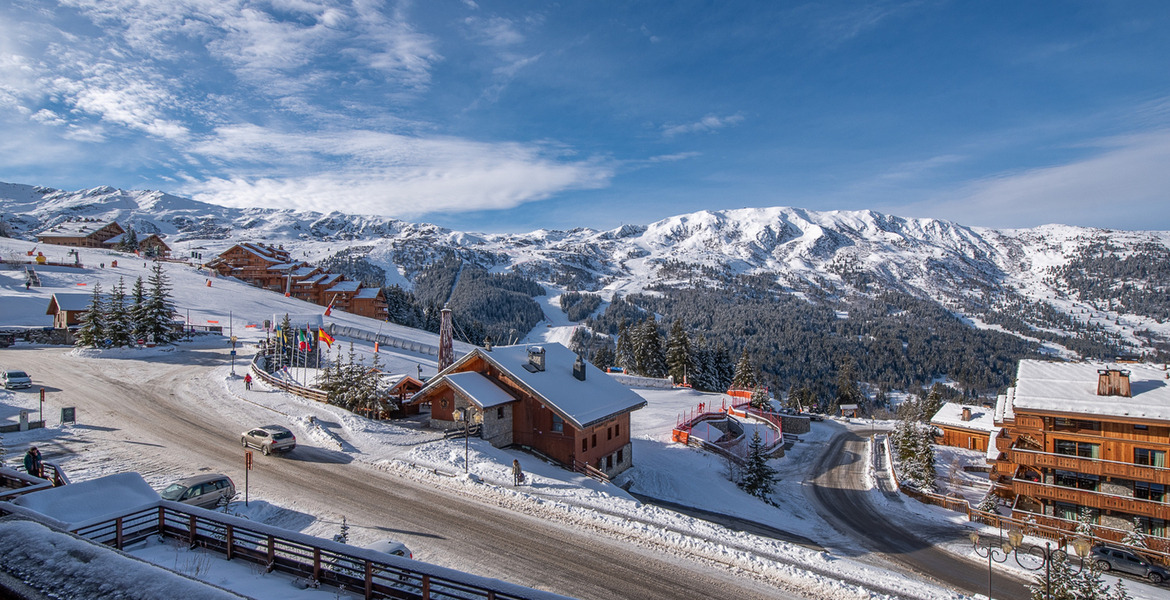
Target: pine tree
{"type": "Point", "coordinates": [760, 400]}
{"type": "Point", "coordinates": [129, 241]}
{"type": "Point", "coordinates": [648, 354]}
{"type": "Point", "coordinates": [343, 536]}
{"type": "Point", "coordinates": [603, 358]}
{"type": "Point", "coordinates": [624, 352]}
{"type": "Point", "coordinates": [758, 476]}
{"type": "Point", "coordinates": [1135, 537]}
{"type": "Point", "coordinates": [679, 360]}
{"type": "Point", "coordinates": [933, 402]}
{"type": "Point", "coordinates": [93, 322]}
{"type": "Point", "coordinates": [159, 311]}
{"type": "Point", "coordinates": [988, 504]}
{"type": "Point", "coordinates": [702, 361]}
{"type": "Point", "coordinates": [724, 368]}
{"type": "Point", "coordinates": [138, 327]}
{"type": "Point", "coordinates": [847, 390]}
{"type": "Point", "coordinates": [745, 373]}
{"type": "Point", "coordinates": [119, 328]}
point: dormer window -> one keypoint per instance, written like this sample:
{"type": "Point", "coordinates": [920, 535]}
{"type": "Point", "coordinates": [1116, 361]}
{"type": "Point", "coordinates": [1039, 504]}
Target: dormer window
{"type": "Point", "coordinates": [1113, 382]}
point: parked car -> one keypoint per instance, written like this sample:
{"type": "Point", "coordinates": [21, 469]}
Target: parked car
{"type": "Point", "coordinates": [14, 379]}
{"type": "Point", "coordinates": [1109, 558]}
{"type": "Point", "coordinates": [391, 547]}
{"type": "Point", "coordinates": [204, 491]}
{"type": "Point", "coordinates": [269, 439]}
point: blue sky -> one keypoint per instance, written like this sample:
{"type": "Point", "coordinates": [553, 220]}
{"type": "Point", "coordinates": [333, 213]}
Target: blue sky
{"type": "Point", "coordinates": [511, 116]}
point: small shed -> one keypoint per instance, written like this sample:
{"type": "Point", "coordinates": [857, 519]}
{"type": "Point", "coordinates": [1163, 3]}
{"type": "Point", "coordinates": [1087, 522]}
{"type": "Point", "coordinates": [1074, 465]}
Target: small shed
{"type": "Point", "coordinates": [400, 389]}
{"type": "Point", "coordinates": [68, 308]}
{"type": "Point", "coordinates": [964, 426]}
{"type": "Point", "coordinates": [849, 410]}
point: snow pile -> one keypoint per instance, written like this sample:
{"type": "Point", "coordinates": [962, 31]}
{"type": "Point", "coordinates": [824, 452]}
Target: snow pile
{"type": "Point", "coordinates": [92, 501]}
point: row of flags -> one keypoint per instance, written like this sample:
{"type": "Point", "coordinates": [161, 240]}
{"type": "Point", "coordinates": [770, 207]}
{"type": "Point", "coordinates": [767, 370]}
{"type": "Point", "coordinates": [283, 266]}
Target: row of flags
{"type": "Point", "coordinates": [303, 337]}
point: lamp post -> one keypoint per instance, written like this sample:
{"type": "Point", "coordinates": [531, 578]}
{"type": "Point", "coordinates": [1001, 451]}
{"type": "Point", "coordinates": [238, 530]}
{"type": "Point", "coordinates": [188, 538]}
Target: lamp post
{"type": "Point", "coordinates": [1047, 555]}
{"type": "Point", "coordinates": [1004, 551]}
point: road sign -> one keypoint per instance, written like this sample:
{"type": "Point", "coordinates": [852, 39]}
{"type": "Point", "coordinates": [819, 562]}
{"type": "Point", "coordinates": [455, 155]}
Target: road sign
{"type": "Point", "coordinates": [233, 352]}
{"type": "Point", "coordinates": [248, 459]}
{"type": "Point", "coordinates": [69, 414]}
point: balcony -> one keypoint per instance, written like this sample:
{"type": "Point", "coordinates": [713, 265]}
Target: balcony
{"type": "Point", "coordinates": [1125, 504]}
{"type": "Point", "coordinates": [1091, 466]}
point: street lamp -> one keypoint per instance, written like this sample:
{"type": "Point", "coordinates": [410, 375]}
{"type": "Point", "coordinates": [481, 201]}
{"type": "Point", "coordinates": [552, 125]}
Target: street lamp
{"type": "Point", "coordinates": [1047, 555]}
{"type": "Point", "coordinates": [1004, 551]}
{"type": "Point", "coordinates": [465, 416]}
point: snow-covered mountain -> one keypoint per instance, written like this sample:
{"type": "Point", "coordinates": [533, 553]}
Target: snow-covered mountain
{"type": "Point", "coordinates": [1052, 278]}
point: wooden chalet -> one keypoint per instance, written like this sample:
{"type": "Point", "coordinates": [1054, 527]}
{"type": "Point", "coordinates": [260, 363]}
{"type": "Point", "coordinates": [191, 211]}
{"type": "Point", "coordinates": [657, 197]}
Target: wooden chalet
{"type": "Point", "coordinates": [151, 245]}
{"type": "Point", "coordinates": [545, 398]}
{"type": "Point", "coordinates": [86, 233]}
{"type": "Point", "coordinates": [1086, 436]}
{"type": "Point", "coordinates": [262, 266]}
{"type": "Point", "coordinates": [399, 389]}
{"type": "Point", "coordinates": [964, 426]}
{"type": "Point", "coordinates": [68, 308]}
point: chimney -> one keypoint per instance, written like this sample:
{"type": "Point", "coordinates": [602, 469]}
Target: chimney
{"type": "Point", "coordinates": [446, 339]}
{"type": "Point", "coordinates": [535, 359]}
{"type": "Point", "coordinates": [1113, 382]}
{"type": "Point", "coordinates": [487, 343]}
{"type": "Point", "coordinates": [579, 369]}
{"type": "Point", "coordinates": [966, 413]}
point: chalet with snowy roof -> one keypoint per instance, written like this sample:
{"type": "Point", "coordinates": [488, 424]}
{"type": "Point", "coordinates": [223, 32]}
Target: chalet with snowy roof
{"type": "Point", "coordinates": [257, 264]}
{"type": "Point", "coordinates": [151, 245]}
{"type": "Point", "coordinates": [86, 233]}
{"type": "Point", "coordinates": [68, 308]}
{"type": "Point", "coordinates": [964, 426]}
{"type": "Point", "coordinates": [541, 397]}
{"type": "Point", "coordinates": [1086, 436]}
{"type": "Point", "coordinates": [399, 389]}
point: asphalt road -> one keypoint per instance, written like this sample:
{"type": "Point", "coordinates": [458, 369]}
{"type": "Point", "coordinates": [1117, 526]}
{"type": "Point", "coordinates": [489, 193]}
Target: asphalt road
{"type": "Point", "coordinates": [163, 411]}
{"type": "Point", "coordinates": [834, 484]}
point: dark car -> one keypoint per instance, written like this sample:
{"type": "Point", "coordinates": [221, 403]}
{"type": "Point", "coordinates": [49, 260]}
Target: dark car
{"type": "Point", "coordinates": [269, 439]}
{"type": "Point", "coordinates": [1109, 558]}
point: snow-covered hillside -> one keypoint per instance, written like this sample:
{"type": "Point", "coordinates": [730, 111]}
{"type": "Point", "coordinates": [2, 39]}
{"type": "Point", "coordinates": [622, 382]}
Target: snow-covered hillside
{"type": "Point", "coordinates": [981, 274]}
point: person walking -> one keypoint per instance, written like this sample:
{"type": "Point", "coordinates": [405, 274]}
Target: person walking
{"type": "Point", "coordinates": [248, 381]}
{"type": "Point", "coordinates": [32, 462]}
{"type": "Point", "coordinates": [517, 474]}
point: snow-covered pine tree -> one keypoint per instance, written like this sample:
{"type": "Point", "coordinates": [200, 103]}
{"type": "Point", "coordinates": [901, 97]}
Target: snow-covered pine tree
{"type": "Point", "coordinates": [679, 359]}
{"type": "Point", "coordinates": [847, 390]}
{"type": "Point", "coordinates": [745, 372]}
{"type": "Point", "coordinates": [988, 504]}
{"type": "Point", "coordinates": [129, 242]}
{"type": "Point", "coordinates": [119, 328]}
{"type": "Point", "coordinates": [342, 536]}
{"type": "Point", "coordinates": [603, 358]}
{"type": "Point", "coordinates": [702, 363]}
{"type": "Point", "coordinates": [160, 309]}
{"type": "Point", "coordinates": [93, 322]}
{"type": "Point", "coordinates": [624, 352]}
{"type": "Point", "coordinates": [760, 400]}
{"type": "Point", "coordinates": [1135, 537]}
{"type": "Point", "coordinates": [648, 352]}
{"type": "Point", "coordinates": [933, 402]}
{"type": "Point", "coordinates": [758, 477]}
{"type": "Point", "coordinates": [137, 310]}
{"type": "Point", "coordinates": [724, 368]}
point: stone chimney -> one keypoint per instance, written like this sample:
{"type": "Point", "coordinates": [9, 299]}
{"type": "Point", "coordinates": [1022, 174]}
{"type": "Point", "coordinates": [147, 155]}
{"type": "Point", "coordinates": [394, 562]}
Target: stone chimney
{"type": "Point", "coordinates": [487, 343]}
{"type": "Point", "coordinates": [1113, 382]}
{"type": "Point", "coordinates": [966, 413]}
{"type": "Point", "coordinates": [579, 369]}
{"type": "Point", "coordinates": [535, 359]}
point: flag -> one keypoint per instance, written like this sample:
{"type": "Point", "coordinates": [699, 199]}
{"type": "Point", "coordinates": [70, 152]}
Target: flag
{"type": "Point", "coordinates": [300, 340]}
{"type": "Point", "coordinates": [308, 339]}
{"type": "Point", "coordinates": [329, 309]}
{"type": "Point", "coordinates": [324, 336]}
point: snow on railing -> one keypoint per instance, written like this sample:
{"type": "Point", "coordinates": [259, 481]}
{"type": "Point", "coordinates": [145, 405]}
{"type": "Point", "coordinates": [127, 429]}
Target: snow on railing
{"type": "Point", "coordinates": [383, 339]}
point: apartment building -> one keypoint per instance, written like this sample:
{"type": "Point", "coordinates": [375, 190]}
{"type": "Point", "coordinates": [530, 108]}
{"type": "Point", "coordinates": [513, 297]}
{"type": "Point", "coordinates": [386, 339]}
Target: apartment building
{"type": "Point", "coordinates": [1093, 436]}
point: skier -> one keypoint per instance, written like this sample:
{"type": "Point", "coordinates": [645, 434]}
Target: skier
{"type": "Point", "coordinates": [248, 381]}
{"type": "Point", "coordinates": [517, 474]}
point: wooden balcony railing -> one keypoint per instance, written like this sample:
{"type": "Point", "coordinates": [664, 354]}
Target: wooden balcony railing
{"type": "Point", "coordinates": [1091, 466]}
{"type": "Point", "coordinates": [1091, 499]}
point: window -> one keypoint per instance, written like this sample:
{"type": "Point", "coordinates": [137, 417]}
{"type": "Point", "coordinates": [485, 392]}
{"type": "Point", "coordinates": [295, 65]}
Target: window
{"type": "Point", "coordinates": [619, 457]}
{"type": "Point", "coordinates": [584, 445]}
{"type": "Point", "coordinates": [609, 433]}
{"type": "Point", "coordinates": [1145, 427]}
{"type": "Point", "coordinates": [1081, 449]}
{"type": "Point", "coordinates": [595, 440]}
{"type": "Point", "coordinates": [499, 412]}
{"type": "Point", "coordinates": [617, 432]}
{"type": "Point", "coordinates": [1148, 526]}
{"type": "Point", "coordinates": [558, 424]}
{"type": "Point", "coordinates": [609, 462]}
{"type": "Point", "coordinates": [1076, 480]}
{"type": "Point", "coordinates": [1153, 458]}
{"type": "Point", "coordinates": [1149, 491]}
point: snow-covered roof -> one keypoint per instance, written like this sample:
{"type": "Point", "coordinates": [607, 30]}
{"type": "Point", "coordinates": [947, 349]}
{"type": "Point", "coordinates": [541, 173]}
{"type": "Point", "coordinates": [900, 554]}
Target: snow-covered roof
{"type": "Point", "coordinates": [70, 302]}
{"type": "Point", "coordinates": [479, 389]}
{"type": "Point", "coordinates": [346, 286]}
{"type": "Point", "coordinates": [311, 280]}
{"type": "Point", "coordinates": [304, 271]}
{"type": "Point", "coordinates": [993, 450]}
{"type": "Point", "coordinates": [582, 403]}
{"type": "Point", "coordinates": [1071, 388]}
{"type": "Point", "coordinates": [93, 500]}
{"type": "Point", "coordinates": [369, 293]}
{"type": "Point", "coordinates": [74, 229]}
{"type": "Point", "coordinates": [951, 415]}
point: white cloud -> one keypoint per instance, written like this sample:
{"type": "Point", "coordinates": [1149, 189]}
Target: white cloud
{"type": "Point", "coordinates": [1123, 186]}
{"type": "Point", "coordinates": [708, 123]}
{"type": "Point", "coordinates": [382, 173]}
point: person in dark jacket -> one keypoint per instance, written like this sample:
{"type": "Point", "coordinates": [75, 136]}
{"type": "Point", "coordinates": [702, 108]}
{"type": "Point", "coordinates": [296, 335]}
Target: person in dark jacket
{"type": "Point", "coordinates": [517, 474]}
{"type": "Point", "coordinates": [32, 462]}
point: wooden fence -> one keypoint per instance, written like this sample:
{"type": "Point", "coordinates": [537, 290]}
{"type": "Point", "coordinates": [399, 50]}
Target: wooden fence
{"type": "Point", "coordinates": [314, 560]}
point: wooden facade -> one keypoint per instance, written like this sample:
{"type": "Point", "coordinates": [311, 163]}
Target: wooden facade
{"type": "Point", "coordinates": [1059, 462]}
{"type": "Point", "coordinates": [963, 438]}
{"type": "Point", "coordinates": [532, 420]}
{"type": "Point", "coordinates": [80, 234]}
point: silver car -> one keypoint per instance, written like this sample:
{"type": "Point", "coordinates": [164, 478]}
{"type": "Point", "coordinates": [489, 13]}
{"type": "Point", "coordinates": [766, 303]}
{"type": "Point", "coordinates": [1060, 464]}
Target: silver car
{"type": "Point", "coordinates": [1109, 558]}
{"type": "Point", "coordinates": [269, 439]}
{"type": "Point", "coordinates": [15, 379]}
{"type": "Point", "coordinates": [204, 491]}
